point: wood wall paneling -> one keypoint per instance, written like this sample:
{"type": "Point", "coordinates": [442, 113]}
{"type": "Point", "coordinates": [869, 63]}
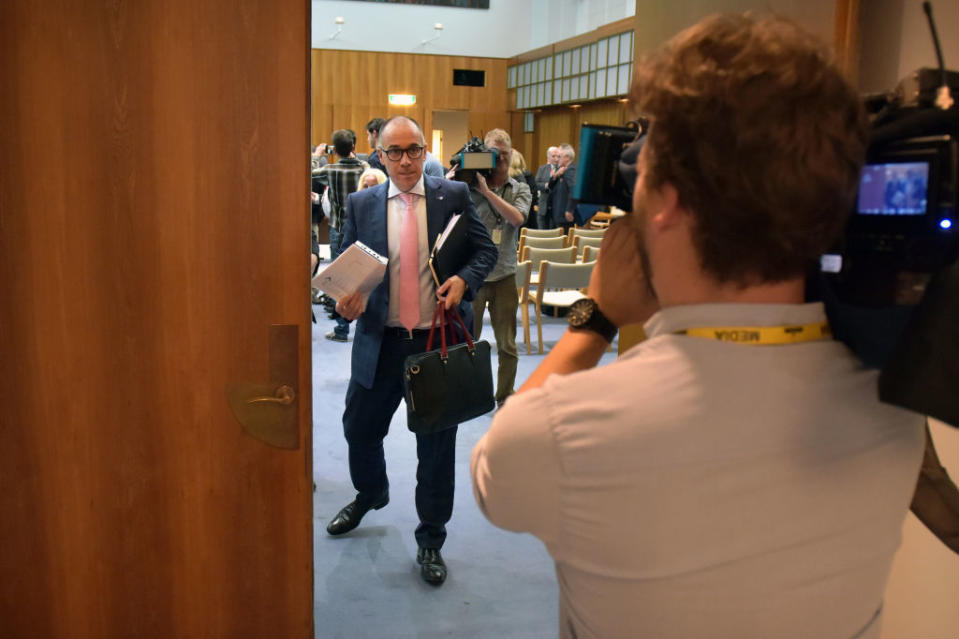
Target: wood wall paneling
{"type": "Point", "coordinates": [351, 87]}
{"type": "Point", "coordinates": [148, 148]}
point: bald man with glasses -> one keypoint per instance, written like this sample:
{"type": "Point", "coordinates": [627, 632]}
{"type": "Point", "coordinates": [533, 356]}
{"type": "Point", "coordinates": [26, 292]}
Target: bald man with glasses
{"type": "Point", "coordinates": [401, 219]}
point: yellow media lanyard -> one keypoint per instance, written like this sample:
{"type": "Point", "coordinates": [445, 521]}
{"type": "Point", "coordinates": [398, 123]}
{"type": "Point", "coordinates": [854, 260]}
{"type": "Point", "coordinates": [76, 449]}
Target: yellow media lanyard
{"type": "Point", "coordinates": [763, 335]}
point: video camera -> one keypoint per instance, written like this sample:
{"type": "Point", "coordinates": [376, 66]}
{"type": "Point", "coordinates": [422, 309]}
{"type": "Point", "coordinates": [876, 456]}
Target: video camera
{"type": "Point", "coordinates": [474, 157]}
{"type": "Point", "coordinates": [891, 286]}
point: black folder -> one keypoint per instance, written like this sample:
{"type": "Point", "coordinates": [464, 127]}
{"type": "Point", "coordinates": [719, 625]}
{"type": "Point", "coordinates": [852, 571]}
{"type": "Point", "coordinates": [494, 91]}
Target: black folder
{"type": "Point", "coordinates": [451, 251]}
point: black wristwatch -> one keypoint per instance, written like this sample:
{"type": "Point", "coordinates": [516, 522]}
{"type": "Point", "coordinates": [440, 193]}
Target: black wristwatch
{"type": "Point", "coordinates": [585, 315]}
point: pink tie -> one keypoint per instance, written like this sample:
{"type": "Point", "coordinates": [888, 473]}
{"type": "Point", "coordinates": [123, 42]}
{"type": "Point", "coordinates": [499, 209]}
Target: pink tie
{"type": "Point", "coordinates": [409, 266]}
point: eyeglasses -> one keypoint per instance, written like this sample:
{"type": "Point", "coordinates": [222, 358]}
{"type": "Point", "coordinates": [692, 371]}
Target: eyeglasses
{"type": "Point", "coordinates": [414, 152]}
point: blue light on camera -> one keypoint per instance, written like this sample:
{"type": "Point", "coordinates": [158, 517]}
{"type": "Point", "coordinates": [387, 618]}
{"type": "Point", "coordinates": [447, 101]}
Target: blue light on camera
{"type": "Point", "coordinates": [945, 223]}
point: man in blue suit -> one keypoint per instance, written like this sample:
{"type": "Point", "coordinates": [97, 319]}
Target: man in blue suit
{"type": "Point", "coordinates": [401, 218]}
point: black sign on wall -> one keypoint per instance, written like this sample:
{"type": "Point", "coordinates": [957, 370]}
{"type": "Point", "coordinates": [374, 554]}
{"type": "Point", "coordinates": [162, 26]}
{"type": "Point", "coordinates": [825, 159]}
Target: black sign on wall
{"type": "Point", "coordinates": [469, 78]}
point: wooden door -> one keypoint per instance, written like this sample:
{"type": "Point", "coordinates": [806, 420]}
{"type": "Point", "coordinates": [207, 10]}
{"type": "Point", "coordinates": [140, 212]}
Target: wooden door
{"type": "Point", "coordinates": [153, 255]}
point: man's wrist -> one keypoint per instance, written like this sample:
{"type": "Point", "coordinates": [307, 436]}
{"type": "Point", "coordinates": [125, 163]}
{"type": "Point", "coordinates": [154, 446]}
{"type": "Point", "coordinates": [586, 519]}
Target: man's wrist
{"type": "Point", "coordinates": [585, 316]}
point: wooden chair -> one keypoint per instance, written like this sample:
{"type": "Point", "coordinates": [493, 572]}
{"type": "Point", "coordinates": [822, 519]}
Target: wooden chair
{"type": "Point", "coordinates": [583, 232]}
{"type": "Point", "coordinates": [536, 255]}
{"type": "Point", "coordinates": [559, 285]}
{"type": "Point", "coordinates": [557, 232]}
{"type": "Point", "coordinates": [523, 270]}
{"type": "Point", "coordinates": [540, 242]}
{"type": "Point", "coordinates": [580, 242]}
{"type": "Point", "coordinates": [590, 253]}
{"type": "Point", "coordinates": [600, 220]}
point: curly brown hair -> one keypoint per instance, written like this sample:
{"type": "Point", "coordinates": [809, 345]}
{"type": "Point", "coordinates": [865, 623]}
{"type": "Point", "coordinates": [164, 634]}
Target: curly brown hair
{"type": "Point", "coordinates": [763, 139]}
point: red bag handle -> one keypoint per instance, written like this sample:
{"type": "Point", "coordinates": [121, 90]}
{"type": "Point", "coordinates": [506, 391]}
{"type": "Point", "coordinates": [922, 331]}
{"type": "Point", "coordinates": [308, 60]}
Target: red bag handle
{"type": "Point", "coordinates": [444, 317]}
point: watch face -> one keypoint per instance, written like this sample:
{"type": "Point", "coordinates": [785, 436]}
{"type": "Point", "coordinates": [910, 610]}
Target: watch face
{"type": "Point", "coordinates": [580, 312]}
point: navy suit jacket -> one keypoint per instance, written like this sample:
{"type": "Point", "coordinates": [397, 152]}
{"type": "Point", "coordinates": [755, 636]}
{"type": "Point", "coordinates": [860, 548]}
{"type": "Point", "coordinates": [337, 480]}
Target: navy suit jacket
{"type": "Point", "coordinates": [366, 221]}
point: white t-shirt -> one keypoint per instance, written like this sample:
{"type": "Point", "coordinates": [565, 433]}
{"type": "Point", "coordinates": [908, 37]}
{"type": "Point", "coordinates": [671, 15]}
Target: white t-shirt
{"type": "Point", "coordinates": [697, 488]}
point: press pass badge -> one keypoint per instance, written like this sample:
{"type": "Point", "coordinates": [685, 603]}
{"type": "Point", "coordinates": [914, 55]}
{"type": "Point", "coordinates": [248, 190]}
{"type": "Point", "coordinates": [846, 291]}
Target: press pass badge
{"type": "Point", "coordinates": [497, 236]}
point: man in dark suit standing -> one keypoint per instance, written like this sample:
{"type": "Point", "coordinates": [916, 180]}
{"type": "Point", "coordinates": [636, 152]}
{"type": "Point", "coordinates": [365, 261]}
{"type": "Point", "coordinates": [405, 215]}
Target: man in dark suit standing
{"type": "Point", "coordinates": [545, 172]}
{"type": "Point", "coordinates": [560, 189]}
{"type": "Point", "coordinates": [401, 219]}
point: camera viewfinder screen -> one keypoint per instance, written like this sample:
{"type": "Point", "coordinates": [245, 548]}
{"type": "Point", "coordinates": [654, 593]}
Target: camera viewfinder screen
{"type": "Point", "coordinates": [478, 160]}
{"type": "Point", "coordinates": [894, 188]}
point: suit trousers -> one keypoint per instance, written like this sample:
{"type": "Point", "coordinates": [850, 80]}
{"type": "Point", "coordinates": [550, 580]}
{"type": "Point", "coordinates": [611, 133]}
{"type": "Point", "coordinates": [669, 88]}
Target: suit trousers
{"type": "Point", "coordinates": [366, 421]}
{"type": "Point", "coordinates": [503, 302]}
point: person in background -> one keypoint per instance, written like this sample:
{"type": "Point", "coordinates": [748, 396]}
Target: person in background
{"type": "Point", "coordinates": [401, 220]}
{"type": "Point", "coordinates": [372, 136]}
{"type": "Point", "coordinates": [433, 167]}
{"type": "Point", "coordinates": [370, 178]}
{"type": "Point", "coordinates": [543, 175]}
{"type": "Point", "coordinates": [359, 156]}
{"type": "Point", "coordinates": [317, 156]}
{"type": "Point", "coordinates": [559, 190]}
{"type": "Point", "coordinates": [518, 171]}
{"type": "Point", "coordinates": [735, 475]}
{"type": "Point", "coordinates": [502, 204]}
{"type": "Point", "coordinates": [340, 179]}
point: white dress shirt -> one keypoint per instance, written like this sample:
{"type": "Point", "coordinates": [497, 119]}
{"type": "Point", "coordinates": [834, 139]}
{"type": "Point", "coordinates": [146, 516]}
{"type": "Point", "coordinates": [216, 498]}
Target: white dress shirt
{"type": "Point", "coordinates": [697, 488]}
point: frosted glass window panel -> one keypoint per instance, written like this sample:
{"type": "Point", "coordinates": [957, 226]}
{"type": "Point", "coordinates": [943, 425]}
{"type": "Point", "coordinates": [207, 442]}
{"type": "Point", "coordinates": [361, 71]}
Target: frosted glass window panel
{"type": "Point", "coordinates": [574, 65]}
{"type": "Point", "coordinates": [613, 49]}
{"type": "Point", "coordinates": [519, 100]}
{"type": "Point", "coordinates": [542, 69]}
{"type": "Point", "coordinates": [522, 75]}
{"type": "Point", "coordinates": [541, 94]}
{"type": "Point", "coordinates": [592, 85]}
{"type": "Point", "coordinates": [626, 47]}
{"type": "Point", "coordinates": [611, 82]}
{"type": "Point", "coordinates": [566, 84]}
{"type": "Point", "coordinates": [583, 86]}
{"type": "Point", "coordinates": [557, 92]}
{"type": "Point", "coordinates": [592, 56]}
{"type": "Point", "coordinates": [574, 88]}
{"type": "Point", "coordinates": [567, 62]}
{"type": "Point", "coordinates": [601, 54]}
{"type": "Point", "coordinates": [511, 78]}
{"type": "Point", "coordinates": [601, 83]}
{"type": "Point", "coordinates": [549, 68]}
{"type": "Point", "coordinates": [624, 78]}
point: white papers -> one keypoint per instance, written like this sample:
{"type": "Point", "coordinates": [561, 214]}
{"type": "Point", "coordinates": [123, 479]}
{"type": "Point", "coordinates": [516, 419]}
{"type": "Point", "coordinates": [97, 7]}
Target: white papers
{"type": "Point", "coordinates": [358, 269]}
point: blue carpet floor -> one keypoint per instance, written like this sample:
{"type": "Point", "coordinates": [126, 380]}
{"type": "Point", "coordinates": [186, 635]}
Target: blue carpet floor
{"type": "Point", "coordinates": [367, 584]}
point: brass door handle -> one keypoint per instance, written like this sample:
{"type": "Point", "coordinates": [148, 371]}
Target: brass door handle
{"type": "Point", "coordinates": [269, 410]}
{"type": "Point", "coordinates": [283, 395]}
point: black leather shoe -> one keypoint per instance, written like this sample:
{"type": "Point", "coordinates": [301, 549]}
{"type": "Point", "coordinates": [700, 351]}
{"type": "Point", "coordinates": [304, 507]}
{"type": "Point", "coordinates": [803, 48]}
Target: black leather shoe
{"type": "Point", "coordinates": [432, 566]}
{"type": "Point", "coordinates": [350, 515]}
